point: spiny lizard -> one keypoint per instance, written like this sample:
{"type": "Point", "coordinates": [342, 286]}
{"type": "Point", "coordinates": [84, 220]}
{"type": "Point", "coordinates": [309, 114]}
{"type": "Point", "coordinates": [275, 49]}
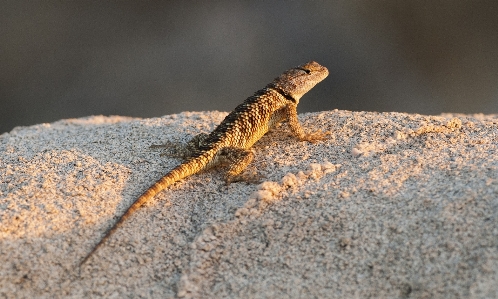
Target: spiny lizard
{"type": "Point", "coordinates": [230, 143]}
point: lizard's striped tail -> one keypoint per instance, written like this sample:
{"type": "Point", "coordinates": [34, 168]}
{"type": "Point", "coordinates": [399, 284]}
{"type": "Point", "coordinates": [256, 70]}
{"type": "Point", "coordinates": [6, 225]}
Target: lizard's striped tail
{"type": "Point", "coordinates": [178, 173]}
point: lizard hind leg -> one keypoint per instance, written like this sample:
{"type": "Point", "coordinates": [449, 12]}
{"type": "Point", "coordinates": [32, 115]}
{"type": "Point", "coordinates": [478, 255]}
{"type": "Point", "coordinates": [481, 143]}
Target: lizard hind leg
{"type": "Point", "coordinates": [183, 151]}
{"type": "Point", "coordinates": [237, 159]}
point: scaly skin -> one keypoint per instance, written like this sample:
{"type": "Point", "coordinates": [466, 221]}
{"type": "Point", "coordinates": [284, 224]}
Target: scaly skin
{"type": "Point", "coordinates": [230, 142]}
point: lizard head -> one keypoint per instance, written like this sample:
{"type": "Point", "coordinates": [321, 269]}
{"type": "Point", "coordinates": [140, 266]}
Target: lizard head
{"type": "Point", "coordinates": [297, 81]}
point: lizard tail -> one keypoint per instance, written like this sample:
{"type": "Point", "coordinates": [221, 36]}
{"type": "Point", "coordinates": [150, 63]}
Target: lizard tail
{"type": "Point", "coordinates": [178, 173]}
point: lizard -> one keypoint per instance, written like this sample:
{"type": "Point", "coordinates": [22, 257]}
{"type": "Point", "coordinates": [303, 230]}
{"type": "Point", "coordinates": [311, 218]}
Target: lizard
{"type": "Point", "coordinates": [230, 142]}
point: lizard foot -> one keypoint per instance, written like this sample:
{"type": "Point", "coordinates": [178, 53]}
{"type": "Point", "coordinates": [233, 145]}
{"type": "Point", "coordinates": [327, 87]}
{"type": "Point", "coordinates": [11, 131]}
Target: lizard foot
{"type": "Point", "coordinates": [247, 177]}
{"type": "Point", "coordinates": [316, 136]}
{"type": "Point", "coordinates": [171, 149]}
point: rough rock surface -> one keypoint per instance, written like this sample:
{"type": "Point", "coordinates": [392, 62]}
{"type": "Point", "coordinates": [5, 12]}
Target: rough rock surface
{"type": "Point", "coordinates": [393, 205]}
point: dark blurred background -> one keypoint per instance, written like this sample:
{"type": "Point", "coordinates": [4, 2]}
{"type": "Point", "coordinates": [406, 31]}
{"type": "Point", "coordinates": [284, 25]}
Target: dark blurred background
{"type": "Point", "coordinates": [65, 59]}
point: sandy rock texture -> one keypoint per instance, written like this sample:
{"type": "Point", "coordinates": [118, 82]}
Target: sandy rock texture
{"type": "Point", "coordinates": [393, 205]}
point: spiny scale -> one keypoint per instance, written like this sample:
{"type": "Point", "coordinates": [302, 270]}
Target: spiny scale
{"type": "Point", "coordinates": [229, 143]}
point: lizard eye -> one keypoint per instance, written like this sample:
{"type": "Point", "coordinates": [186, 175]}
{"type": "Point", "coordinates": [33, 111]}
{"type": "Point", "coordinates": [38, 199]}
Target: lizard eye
{"type": "Point", "coordinates": [305, 70]}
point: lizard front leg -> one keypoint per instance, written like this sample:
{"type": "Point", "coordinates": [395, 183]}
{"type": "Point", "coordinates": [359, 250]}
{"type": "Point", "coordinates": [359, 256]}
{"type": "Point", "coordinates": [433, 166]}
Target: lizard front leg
{"type": "Point", "coordinates": [297, 130]}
